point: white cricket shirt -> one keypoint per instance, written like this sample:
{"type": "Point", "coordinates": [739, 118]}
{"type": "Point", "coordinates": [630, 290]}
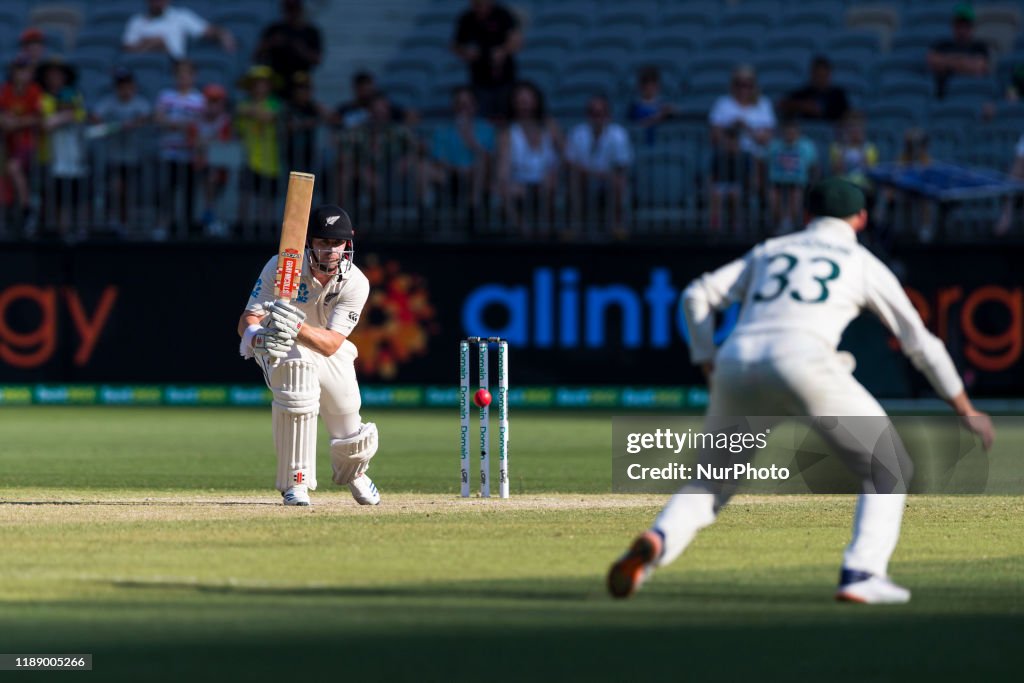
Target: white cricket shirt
{"type": "Point", "coordinates": [335, 307]}
{"type": "Point", "coordinates": [802, 290]}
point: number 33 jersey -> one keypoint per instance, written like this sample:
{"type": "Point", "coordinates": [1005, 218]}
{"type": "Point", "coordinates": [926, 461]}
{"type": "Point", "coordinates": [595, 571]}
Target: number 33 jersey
{"type": "Point", "coordinates": [801, 291]}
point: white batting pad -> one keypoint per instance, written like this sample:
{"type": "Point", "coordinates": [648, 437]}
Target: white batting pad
{"type": "Point", "coordinates": [350, 457]}
{"type": "Point", "coordinates": [296, 402]}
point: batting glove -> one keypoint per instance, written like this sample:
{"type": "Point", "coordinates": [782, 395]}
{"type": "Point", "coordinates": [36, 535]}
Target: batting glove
{"type": "Point", "coordinates": [285, 317]}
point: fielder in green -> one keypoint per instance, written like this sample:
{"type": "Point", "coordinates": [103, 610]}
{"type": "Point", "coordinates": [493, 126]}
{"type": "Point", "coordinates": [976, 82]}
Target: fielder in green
{"type": "Point", "coordinates": [797, 294]}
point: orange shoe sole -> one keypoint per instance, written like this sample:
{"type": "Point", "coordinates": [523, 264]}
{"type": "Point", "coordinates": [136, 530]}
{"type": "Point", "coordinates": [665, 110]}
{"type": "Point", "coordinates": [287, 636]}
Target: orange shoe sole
{"type": "Point", "coordinates": [625, 575]}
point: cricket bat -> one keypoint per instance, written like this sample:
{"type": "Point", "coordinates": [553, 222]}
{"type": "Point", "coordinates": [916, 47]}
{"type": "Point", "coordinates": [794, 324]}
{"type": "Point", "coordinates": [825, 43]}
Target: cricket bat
{"type": "Point", "coordinates": [293, 235]}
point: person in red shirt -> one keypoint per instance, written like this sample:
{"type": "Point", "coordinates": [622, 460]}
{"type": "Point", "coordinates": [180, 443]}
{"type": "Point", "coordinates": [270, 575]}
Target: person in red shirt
{"type": "Point", "coordinates": [20, 116]}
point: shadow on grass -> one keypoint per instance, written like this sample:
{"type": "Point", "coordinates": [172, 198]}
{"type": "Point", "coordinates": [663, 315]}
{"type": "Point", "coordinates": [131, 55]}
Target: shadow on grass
{"type": "Point", "coordinates": [555, 631]}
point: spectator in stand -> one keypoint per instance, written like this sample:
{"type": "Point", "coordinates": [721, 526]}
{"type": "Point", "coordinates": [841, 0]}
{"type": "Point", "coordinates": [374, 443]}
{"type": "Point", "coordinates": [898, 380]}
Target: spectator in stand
{"type": "Point", "coordinates": [124, 111]}
{"type": "Point", "coordinates": [745, 107]}
{"type": "Point", "coordinates": [167, 29]}
{"type": "Point", "coordinates": [32, 44]}
{"type": "Point", "coordinates": [648, 108]}
{"type": "Point", "coordinates": [960, 55]}
{"type": "Point", "coordinates": [302, 121]}
{"type": "Point", "coordinates": [487, 37]}
{"type": "Point", "coordinates": [356, 112]}
{"type": "Point", "coordinates": [599, 155]}
{"type": "Point", "coordinates": [377, 159]}
{"type": "Point", "coordinates": [64, 114]}
{"type": "Point", "coordinates": [732, 178]}
{"type": "Point", "coordinates": [20, 117]}
{"type": "Point", "coordinates": [259, 117]}
{"type": "Point", "coordinates": [290, 45]}
{"type": "Point", "coordinates": [214, 127]}
{"type": "Point", "coordinates": [1017, 173]}
{"type": "Point", "coordinates": [819, 99]}
{"type": "Point", "coordinates": [792, 162]}
{"type": "Point", "coordinates": [528, 159]}
{"type": "Point", "coordinates": [852, 156]}
{"type": "Point", "coordinates": [461, 150]}
{"type": "Point", "coordinates": [177, 113]}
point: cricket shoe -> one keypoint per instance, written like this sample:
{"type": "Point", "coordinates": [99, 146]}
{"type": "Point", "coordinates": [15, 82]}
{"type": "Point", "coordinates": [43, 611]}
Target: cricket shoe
{"type": "Point", "coordinates": [296, 495]}
{"type": "Point", "coordinates": [869, 589]}
{"type": "Point", "coordinates": [632, 569]}
{"type": "Point", "coordinates": [364, 490]}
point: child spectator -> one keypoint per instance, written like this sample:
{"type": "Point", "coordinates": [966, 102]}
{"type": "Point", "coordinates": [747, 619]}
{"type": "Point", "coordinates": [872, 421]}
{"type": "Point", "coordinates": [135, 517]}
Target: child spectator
{"type": "Point", "coordinates": [791, 161]}
{"type": "Point", "coordinates": [32, 44]}
{"type": "Point", "coordinates": [125, 111]}
{"type": "Point", "coordinates": [259, 116]}
{"type": "Point", "coordinates": [302, 121]}
{"type": "Point", "coordinates": [852, 155]}
{"type": "Point", "coordinates": [648, 108]}
{"type": "Point", "coordinates": [20, 116]}
{"type": "Point", "coordinates": [732, 178]}
{"type": "Point", "coordinates": [63, 111]}
{"type": "Point", "coordinates": [177, 113]}
{"type": "Point", "coordinates": [214, 127]}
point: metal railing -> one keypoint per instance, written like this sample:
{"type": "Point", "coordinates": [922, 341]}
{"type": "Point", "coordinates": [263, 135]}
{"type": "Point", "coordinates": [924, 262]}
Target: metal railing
{"type": "Point", "coordinates": [124, 184]}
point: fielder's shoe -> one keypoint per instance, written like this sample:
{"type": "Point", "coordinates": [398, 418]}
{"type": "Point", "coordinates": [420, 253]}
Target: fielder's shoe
{"type": "Point", "coordinates": [869, 589]}
{"type": "Point", "coordinates": [364, 490]}
{"type": "Point", "coordinates": [296, 495]}
{"type": "Point", "coordinates": [632, 569]}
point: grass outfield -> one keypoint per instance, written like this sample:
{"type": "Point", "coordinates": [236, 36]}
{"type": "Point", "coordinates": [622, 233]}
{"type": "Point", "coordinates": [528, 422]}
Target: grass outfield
{"type": "Point", "coordinates": [149, 538]}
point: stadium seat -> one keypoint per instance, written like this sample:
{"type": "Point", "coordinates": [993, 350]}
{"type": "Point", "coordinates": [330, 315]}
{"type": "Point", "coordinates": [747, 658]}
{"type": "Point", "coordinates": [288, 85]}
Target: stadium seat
{"type": "Point", "coordinates": [774, 84]}
{"type": "Point", "coordinates": [666, 44]}
{"type": "Point", "coordinates": [440, 20]}
{"type": "Point", "coordinates": [541, 71]}
{"type": "Point", "coordinates": [570, 101]}
{"type": "Point", "coordinates": [783, 40]}
{"type": "Point", "coordinates": [781, 67]}
{"type": "Point", "coordinates": [615, 49]}
{"type": "Point", "coordinates": [903, 83]}
{"type": "Point", "coordinates": [730, 39]}
{"type": "Point", "coordinates": [912, 64]}
{"type": "Point", "coordinates": [934, 16]}
{"type": "Point", "coordinates": [691, 15]}
{"type": "Point", "coordinates": [712, 82]}
{"type": "Point", "coordinates": [812, 16]}
{"type": "Point", "coordinates": [953, 114]}
{"type": "Point", "coordinates": [897, 112]}
{"type": "Point", "coordinates": [554, 37]}
{"type": "Point", "coordinates": [634, 17]}
{"type": "Point", "coordinates": [853, 45]}
{"type": "Point", "coordinates": [1006, 15]}
{"type": "Point", "coordinates": [874, 17]}
{"type": "Point", "coordinates": [64, 20]}
{"type": "Point", "coordinates": [964, 88]}
{"type": "Point", "coordinates": [593, 68]}
{"type": "Point", "coordinates": [753, 16]}
{"type": "Point", "coordinates": [879, 19]}
{"type": "Point", "coordinates": [1000, 37]}
{"type": "Point", "coordinates": [566, 19]}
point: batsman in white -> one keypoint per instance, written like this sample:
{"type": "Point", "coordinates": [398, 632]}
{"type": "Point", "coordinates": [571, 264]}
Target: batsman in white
{"type": "Point", "coordinates": [798, 293]}
{"type": "Point", "coordinates": [308, 362]}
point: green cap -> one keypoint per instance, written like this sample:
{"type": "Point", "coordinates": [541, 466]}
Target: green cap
{"type": "Point", "coordinates": [963, 12]}
{"type": "Point", "coordinates": [835, 197]}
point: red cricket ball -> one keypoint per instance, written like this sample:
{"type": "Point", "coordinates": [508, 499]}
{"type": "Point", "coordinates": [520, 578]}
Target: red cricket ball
{"type": "Point", "coordinates": [482, 398]}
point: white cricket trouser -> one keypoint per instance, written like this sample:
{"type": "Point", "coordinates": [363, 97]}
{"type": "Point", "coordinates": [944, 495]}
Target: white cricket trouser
{"type": "Point", "coordinates": [306, 384]}
{"type": "Point", "coordinates": [792, 383]}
